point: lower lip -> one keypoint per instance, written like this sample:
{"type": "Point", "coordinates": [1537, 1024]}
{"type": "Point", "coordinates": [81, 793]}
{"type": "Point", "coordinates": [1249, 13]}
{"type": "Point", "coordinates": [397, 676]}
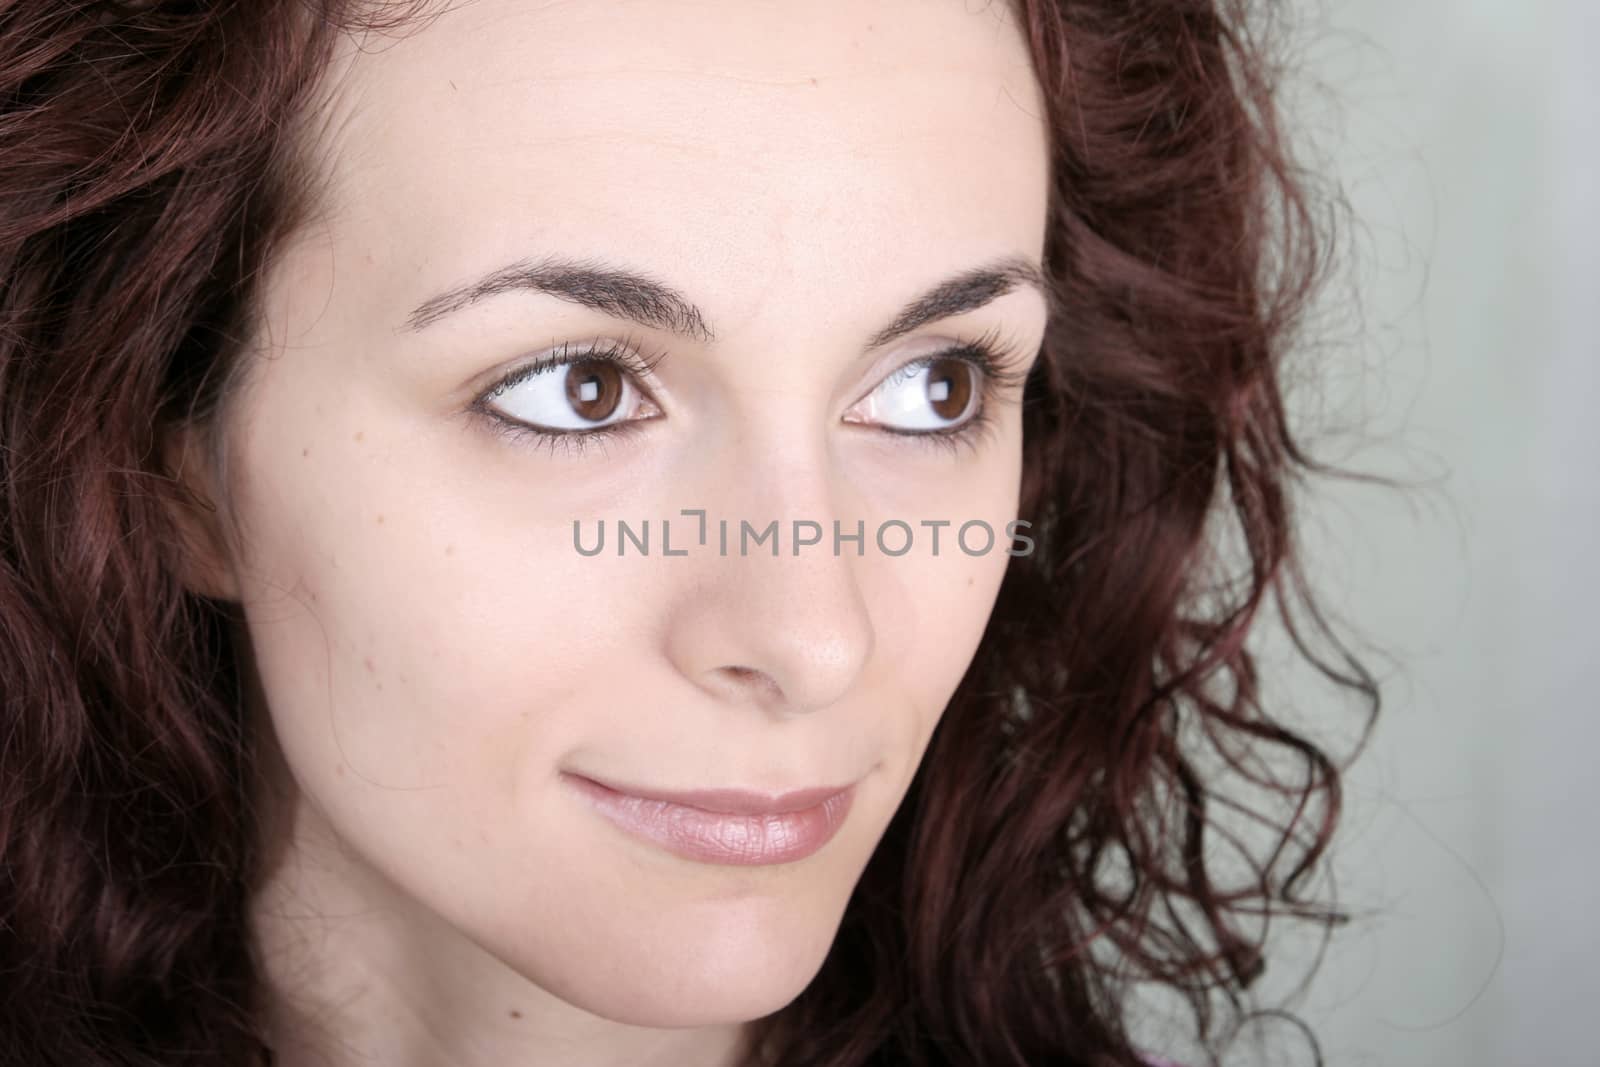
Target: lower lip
{"type": "Point", "coordinates": [714, 837]}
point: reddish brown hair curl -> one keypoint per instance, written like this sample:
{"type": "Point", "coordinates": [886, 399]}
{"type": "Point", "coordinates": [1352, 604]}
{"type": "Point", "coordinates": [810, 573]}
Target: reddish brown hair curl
{"type": "Point", "coordinates": [1056, 845]}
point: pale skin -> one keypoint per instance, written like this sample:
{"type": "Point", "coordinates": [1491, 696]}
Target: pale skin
{"type": "Point", "coordinates": [429, 650]}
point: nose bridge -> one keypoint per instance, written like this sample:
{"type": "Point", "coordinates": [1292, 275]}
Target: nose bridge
{"type": "Point", "coordinates": [774, 613]}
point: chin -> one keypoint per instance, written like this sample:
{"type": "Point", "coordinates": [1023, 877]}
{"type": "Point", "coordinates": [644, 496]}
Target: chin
{"type": "Point", "coordinates": [729, 978]}
{"type": "Point", "coordinates": [688, 1005]}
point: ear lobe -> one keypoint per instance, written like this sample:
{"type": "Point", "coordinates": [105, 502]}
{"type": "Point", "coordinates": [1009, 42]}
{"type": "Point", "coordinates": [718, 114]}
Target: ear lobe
{"type": "Point", "coordinates": [202, 559]}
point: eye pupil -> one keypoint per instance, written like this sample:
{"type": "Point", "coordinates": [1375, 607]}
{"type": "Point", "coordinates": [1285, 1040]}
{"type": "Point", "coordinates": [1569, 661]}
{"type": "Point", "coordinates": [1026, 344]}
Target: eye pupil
{"type": "Point", "coordinates": [593, 388]}
{"type": "Point", "coordinates": [949, 387]}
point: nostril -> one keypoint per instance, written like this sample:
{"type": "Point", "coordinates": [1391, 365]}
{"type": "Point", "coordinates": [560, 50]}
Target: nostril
{"type": "Point", "coordinates": [754, 679]}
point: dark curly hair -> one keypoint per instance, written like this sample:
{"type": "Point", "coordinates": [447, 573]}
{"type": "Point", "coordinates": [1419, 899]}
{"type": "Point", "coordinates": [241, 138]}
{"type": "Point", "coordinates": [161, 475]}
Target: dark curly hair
{"type": "Point", "coordinates": [1058, 843]}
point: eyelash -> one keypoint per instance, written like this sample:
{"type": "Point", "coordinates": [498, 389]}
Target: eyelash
{"type": "Point", "coordinates": [985, 353]}
{"type": "Point", "coordinates": [622, 353]}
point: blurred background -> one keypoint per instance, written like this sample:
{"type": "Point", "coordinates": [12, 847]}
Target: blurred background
{"type": "Point", "coordinates": [1461, 353]}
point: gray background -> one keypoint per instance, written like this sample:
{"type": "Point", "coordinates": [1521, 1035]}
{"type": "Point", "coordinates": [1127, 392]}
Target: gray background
{"type": "Point", "coordinates": [1457, 351]}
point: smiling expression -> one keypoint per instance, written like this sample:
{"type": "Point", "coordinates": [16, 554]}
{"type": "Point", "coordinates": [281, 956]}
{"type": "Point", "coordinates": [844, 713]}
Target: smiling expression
{"type": "Point", "coordinates": [771, 261]}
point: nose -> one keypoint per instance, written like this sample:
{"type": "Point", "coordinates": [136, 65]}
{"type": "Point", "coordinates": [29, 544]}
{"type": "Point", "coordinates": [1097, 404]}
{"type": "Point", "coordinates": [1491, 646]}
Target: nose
{"type": "Point", "coordinates": [789, 632]}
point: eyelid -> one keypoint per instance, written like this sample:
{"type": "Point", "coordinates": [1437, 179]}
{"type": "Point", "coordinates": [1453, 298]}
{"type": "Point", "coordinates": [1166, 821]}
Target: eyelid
{"type": "Point", "coordinates": [991, 352]}
{"type": "Point", "coordinates": [624, 353]}
{"type": "Point", "coordinates": [621, 353]}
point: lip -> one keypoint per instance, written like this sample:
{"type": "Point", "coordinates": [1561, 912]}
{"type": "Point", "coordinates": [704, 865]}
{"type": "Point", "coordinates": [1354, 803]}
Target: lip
{"type": "Point", "coordinates": [724, 826]}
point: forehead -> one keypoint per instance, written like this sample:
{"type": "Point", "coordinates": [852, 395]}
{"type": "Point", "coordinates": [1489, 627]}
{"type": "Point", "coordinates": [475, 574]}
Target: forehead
{"type": "Point", "coordinates": [737, 141]}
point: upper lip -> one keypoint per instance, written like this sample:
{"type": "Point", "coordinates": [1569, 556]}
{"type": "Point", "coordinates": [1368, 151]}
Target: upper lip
{"type": "Point", "coordinates": [728, 801]}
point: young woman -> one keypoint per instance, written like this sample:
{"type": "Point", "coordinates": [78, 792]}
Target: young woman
{"type": "Point", "coordinates": [637, 533]}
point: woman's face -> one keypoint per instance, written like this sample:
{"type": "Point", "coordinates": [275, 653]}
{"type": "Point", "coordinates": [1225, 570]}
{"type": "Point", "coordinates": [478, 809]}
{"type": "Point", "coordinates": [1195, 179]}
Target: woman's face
{"type": "Point", "coordinates": [435, 656]}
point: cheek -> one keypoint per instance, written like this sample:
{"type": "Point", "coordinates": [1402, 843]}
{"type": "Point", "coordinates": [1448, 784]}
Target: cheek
{"type": "Point", "coordinates": [947, 603]}
{"type": "Point", "coordinates": [930, 610]}
{"type": "Point", "coordinates": [422, 680]}
{"type": "Point", "coordinates": [400, 618]}
{"type": "Point", "coordinates": [414, 644]}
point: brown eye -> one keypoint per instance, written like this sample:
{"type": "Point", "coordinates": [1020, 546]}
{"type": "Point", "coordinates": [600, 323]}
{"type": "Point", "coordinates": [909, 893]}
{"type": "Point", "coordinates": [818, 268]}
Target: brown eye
{"type": "Point", "coordinates": [949, 387]}
{"type": "Point", "coordinates": [927, 395]}
{"type": "Point", "coordinates": [593, 388]}
{"type": "Point", "coordinates": [586, 393]}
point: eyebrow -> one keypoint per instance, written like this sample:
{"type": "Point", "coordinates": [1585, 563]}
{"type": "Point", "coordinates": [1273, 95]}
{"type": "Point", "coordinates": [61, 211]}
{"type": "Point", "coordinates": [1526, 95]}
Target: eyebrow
{"type": "Point", "coordinates": [629, 294]}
